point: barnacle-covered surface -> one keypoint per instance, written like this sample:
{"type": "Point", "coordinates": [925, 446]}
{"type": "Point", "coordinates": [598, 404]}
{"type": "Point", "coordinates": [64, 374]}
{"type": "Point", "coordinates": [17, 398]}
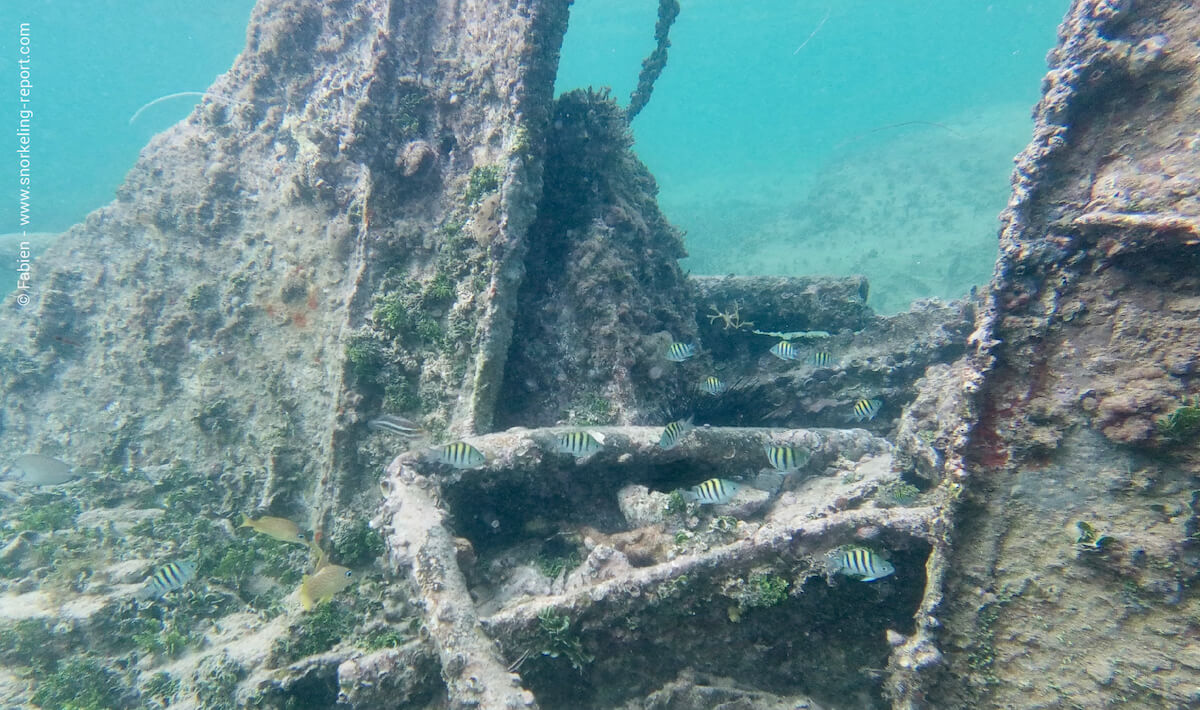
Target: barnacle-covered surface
{"type": "Point", "coordinates": [781, 303]}
{"type": "Point", "coordinates": [603, 296]}
{"type": "Point", "coordinates": [340, 234]}
{"type": "Point", "coordinates": [882, 360]}
{"type": "Point", "coordinates": [1071, 581]}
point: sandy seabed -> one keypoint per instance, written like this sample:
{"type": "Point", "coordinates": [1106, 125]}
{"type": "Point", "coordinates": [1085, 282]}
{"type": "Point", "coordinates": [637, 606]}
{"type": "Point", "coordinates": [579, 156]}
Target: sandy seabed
{"type": "Point", "coordinates": [913, 207]}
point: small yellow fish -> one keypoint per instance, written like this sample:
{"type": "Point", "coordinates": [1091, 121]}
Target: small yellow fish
{"type": "Point", "coordinates": [320, 586]}
{"type": "Point", "coordinates": [278, 528]}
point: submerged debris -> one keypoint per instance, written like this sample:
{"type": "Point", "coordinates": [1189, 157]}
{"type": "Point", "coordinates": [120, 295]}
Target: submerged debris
{"type": "Point", "coordinates": [795, 334]}
{"type": "Point", "coordinates": [731, 319]}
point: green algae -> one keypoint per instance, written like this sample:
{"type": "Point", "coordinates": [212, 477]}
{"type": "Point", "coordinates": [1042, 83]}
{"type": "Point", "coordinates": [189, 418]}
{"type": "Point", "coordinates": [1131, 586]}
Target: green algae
{"type": "Point", "coordinates": [558, 641]}
{"type": "Point", "coordinates": [378, 638]}
{"type": "Point", "coordinates": [161, 687]}
{"type": "Point", "coordinates": [676, 505]}
{"type": "Point", "coordinates": [48, 512]}
{"type": "Point", "coordinates": [80, 684]}
{"type": "Point", "coordinates": [314, 632]}
{"type": "Point", "coordinates": [482, 180]}
{"type": "Point", "coordinates": [557, 555]}
{"type": "Point", "coordinates": [723, 526]}
{"type": "Point", "coordinates": [30, 642]}
{"type": "Point", "coordinates": [216, 682]}
{"type": "Point", "coordinates": [1182, 424]}
{"type": "Point", "coordinates": [590, 408]}
{"type": "Point", "coordinates": [766, 590]}
{"type": "Point", "coordinates": [365, 355]}
{"type": "Point", "coordinates": [356, 544]}
{"type": "Point", "coordinates": [761, 589]}
{"type": "Point", "coordinates": [898, 492]}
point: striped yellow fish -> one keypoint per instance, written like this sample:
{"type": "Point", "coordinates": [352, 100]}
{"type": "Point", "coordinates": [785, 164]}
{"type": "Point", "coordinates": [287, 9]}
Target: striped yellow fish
{"type": "Point", "coordinates": [320, 586]}
{"type": "Point", "coordinates": [167, 578]}
{"type": "Point", "coordinates": [714, 491]}
{"type": "Point", "coordinates": [579, 443]}
{"type": "Point", "coordinates": [278, 528]}
{"type": "Point", "coordinates": [860, 562]}
{"type": "Point", "coordinates": [460, 454]}
{"type": "Point", "coordinates": [785, 350]}
{"type": "Point", "coordinates": [866, 409]}
{"type": "Point", "coordinates": [819, 359]}
{"type": "Point", "coordinates": [713, 385]}
{"type": "Point", "coordinates": [785, 458]}
{"type": "Point", "coordinates": [678, 352]}
{"type": "Point", "coordinates": [675, 431]}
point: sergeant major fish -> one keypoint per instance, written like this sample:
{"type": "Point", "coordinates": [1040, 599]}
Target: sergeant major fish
{"type": "Point", "coordinates": [819, 359]}
{"type": "Point", "coordinates": [713, 385]}
{"type": "Point", "coordinates": [860, 562]}
{"type": "Point", "coordinates": [714, 491]}
{"type": "Point", "coordinates": [460, 454]}
{"type": "Point", "coordinates": [678, 352]}
{"type": "Point", "coordinates": [579, 443]}
{"type": "Point", "coordinates": [866, 409]}
{"type": "Point", "coordinates": [785, 350]}
{"type": "Point", "coordinates": [785, 458]}
{"type": "Point", "coordinates": [675, 431]}
{"type": "Point", "coordinates": [167, 578]}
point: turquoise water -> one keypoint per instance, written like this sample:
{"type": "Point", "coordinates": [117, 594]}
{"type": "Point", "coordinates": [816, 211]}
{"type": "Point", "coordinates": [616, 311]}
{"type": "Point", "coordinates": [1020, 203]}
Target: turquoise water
{"type": "Point", "coordinates": [781, 159]}
{"type": "Point", "coordinates": [881, 143]}
{"type": "Point", "coordinates": [94, 63]}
